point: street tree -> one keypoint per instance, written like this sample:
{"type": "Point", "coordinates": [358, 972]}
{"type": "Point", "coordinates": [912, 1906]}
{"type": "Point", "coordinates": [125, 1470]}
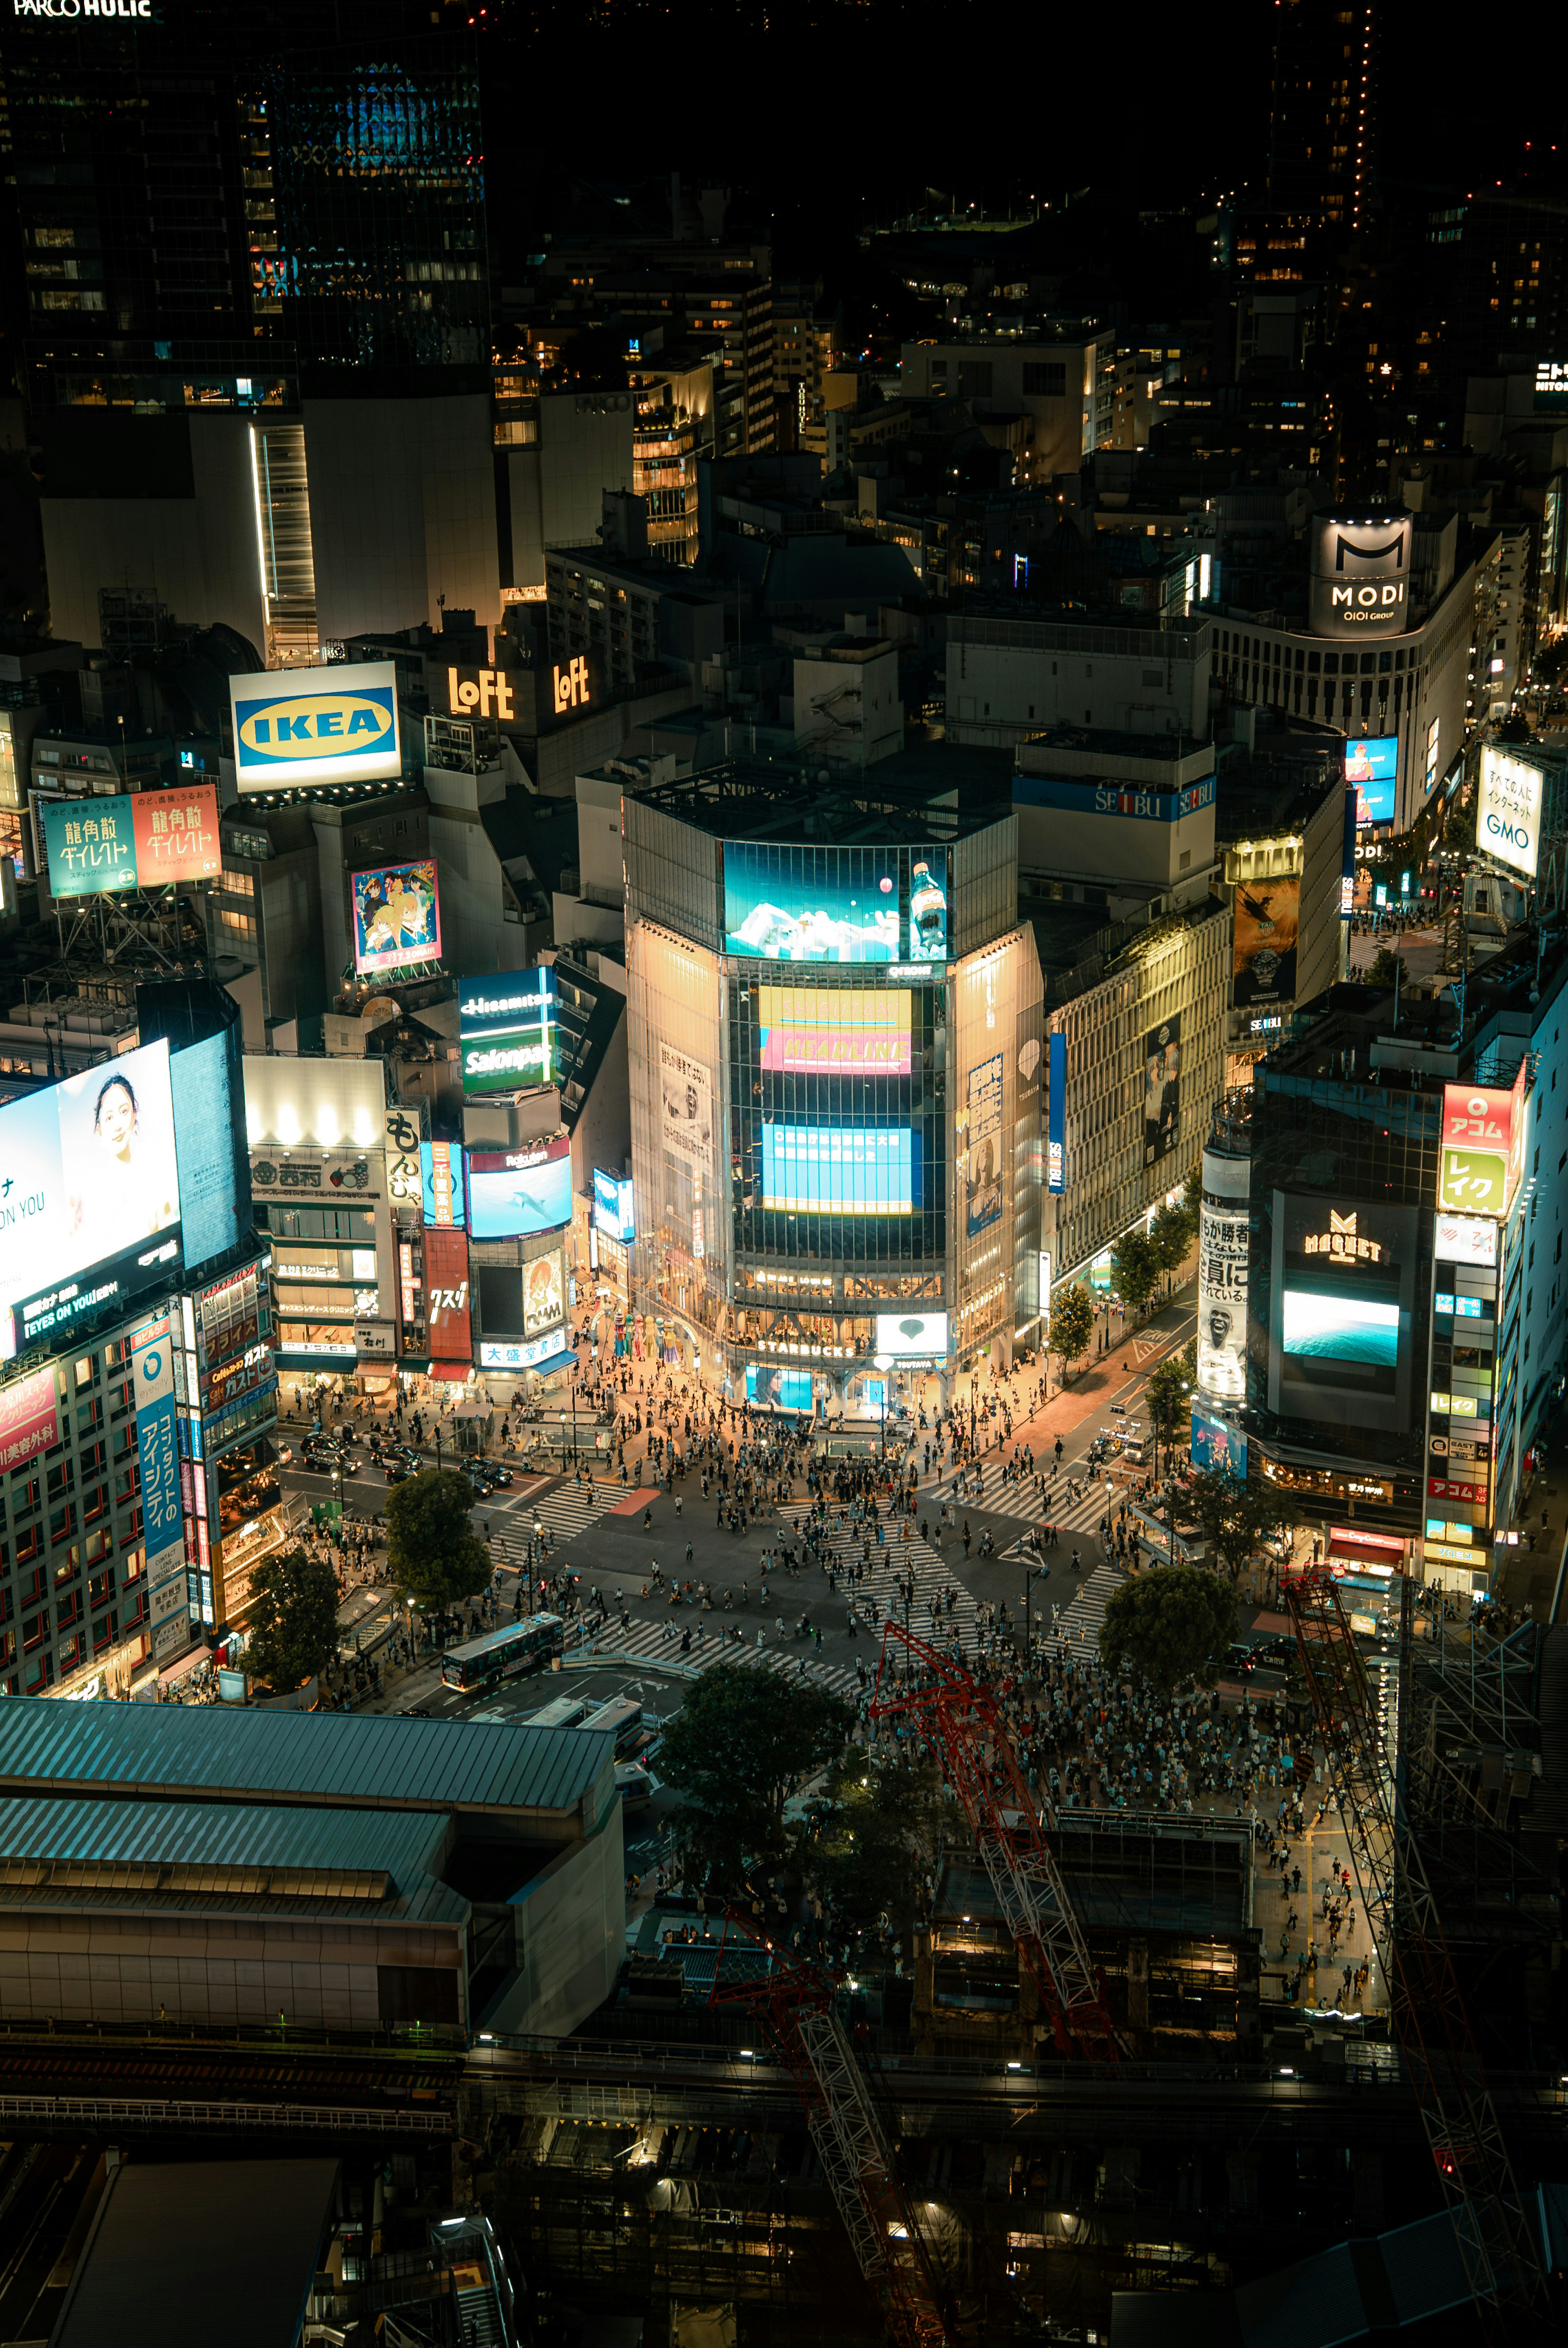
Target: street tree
{"type": "Point", "coordinates": [294, 1619]}
{"type": "Point", "coordinates": [1168, 1397]}
{"type": "Point", "coordinates": [888, 1829]}
{"type": "Point", "coordinates": [1169, 1626]}
{"type": "Point", "coordinates": [1385, 967]}
{"type": "Point", "coordinates": [741, 1745]}
{"type": "Point", "coordinates": [1237, 1517]}
{"type": "Point", "coordinates": [1071, 1323]}
{"type": "Point", "coordinates": [1135, 1268]}
{"type": "Point", "coordinates": [1171, 1236]}
{"type": "Point", "coordinates": [435, 1556]}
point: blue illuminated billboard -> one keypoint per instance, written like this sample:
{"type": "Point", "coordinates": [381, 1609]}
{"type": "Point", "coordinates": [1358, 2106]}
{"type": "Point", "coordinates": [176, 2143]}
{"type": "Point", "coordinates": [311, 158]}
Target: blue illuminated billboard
{"type": "Point", "coordinates": [778, 1389]}
{"type": "Point", "coordinates": [512, 1192]}
{"type": "Point", "coordinates": [1215, 1445]}
{"type": "Point", "coordinates": [836, 904]}
{"type": "Point", "coordinates": [834, 1171]}
{"type": "Point", "coordinates": [612, 1210]}
{"type": "Point", "coordinates": [1372, 771]}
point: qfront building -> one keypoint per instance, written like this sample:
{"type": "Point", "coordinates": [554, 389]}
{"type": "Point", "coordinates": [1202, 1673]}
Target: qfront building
{"type": "Point", "coordinates": [835, 1052]}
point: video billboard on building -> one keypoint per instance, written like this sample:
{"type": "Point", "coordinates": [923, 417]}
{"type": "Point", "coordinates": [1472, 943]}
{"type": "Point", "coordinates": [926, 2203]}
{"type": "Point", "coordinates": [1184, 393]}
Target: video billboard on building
{"type": "Point", "coordinates": [1343, 1293]}
{"type": "Point", "coordinates": [396, 917]}
{"type": "Point", "coordinates": [1162, 1089]}
{"type": "Point", "coordinates": [338, 724]}
{"type": "Point", "coordinates": [903, 1334]}
{"type": "Point", "coordinates": [130, 839]}
{"type": "Point", "coordinates": [1267, 923]}
{"type": "Point", "coordinates": [1372, 772]}
{"type": "Point", "coordinates": [613, 1207]}
{"type": "Point", "coordinates": [1360, 574]}
{"type": "Point", "coordinates": [834, 1171]}
{"type": "Point", "coordinates": [1508, 812]}
{"type": "Point", "coordinates": [984, 1143]}
{"type": "Point", "coordinates": [1056, 1113]}
{"type": "Point", "coordinates": [507, 1037]}
{"type": "Point", "coordinates": [836, 904]}
{"type": "Point", "coordinates": [544, 1293]}
{"type": "Point", "coordinates": [834, 1031]}
{"type": "Point", "coordinates": [1215, 1445]}
{"type": "Point", "coordinates": [90, 1216]}
{"type": "Point", "coordinates": [512, 1192]}
{"type": "Point", "coordinates": [778, 1389]}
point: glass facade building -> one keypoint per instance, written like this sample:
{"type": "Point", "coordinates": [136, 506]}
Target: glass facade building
{"type": "Point", "coordinates": [835, 1058]}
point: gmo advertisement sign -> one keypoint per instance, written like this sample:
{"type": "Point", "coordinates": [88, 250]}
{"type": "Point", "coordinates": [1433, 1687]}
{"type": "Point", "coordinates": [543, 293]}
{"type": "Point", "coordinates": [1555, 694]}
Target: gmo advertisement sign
{"type": "Point", "coordinates": [1507, 814]}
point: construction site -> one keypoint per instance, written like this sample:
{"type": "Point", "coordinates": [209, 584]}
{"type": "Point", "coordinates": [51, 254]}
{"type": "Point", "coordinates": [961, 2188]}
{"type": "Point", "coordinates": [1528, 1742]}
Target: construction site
{"type": "Point", "coordinates": [1080, 2120]}
{"type": "Point", "coordinates": [1084, 2113]}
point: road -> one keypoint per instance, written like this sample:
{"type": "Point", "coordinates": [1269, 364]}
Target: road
{"type": "Point", "coordinates": [610, 1540]}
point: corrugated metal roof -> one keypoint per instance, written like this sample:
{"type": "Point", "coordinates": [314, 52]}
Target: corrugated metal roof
{"type": "Point", "coordinates": [229, 1835]}
{"type": "Point", "coordinates": [367, 1760]}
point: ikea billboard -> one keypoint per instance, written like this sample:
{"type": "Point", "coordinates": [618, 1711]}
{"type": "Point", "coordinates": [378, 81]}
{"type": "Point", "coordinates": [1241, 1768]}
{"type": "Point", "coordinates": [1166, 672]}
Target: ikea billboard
{"type": "Point", "coordinates": [300, 726]}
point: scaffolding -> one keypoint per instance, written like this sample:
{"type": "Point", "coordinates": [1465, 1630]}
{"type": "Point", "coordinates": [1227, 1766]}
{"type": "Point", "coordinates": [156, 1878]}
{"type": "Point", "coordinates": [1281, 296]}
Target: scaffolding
{"type": "Point", "coordinates": [1364, 1748]}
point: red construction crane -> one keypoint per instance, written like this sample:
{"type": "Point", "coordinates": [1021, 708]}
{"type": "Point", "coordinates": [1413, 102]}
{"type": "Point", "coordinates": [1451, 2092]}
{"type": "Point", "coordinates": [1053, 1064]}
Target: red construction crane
{"type": "Point", "coordinates": [1501, 2257]}
{"type": "Point", "coordinates": [796, 1999]}
{"type": "Point", "coordinates": [961, 1721]}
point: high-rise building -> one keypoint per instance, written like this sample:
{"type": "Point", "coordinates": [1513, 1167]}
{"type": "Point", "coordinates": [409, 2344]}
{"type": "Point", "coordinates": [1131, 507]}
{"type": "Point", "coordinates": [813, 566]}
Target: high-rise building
{"type": "Point", "coordinates": [1323, 120]}
{"type": "Point", "coordinates": [257, 318]}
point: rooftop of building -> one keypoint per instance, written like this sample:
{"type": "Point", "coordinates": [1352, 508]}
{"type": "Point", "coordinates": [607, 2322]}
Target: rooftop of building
{"type": "Point", "coordinates": [274, 1858]}
{"type": "Point", "coordinates": [1111, 743]}
{"type": "Point", "coordinates": [1078, 942]}
{"type": "Point", "coordinates": [323, 1761]}
{"type": "Point", "coordinates": [936, 791]}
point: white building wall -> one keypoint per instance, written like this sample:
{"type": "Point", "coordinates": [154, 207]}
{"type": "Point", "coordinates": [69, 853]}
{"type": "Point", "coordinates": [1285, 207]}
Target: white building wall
{"type": "Point", "coordinates": [403, 512]}
{"type": "Point", "coordinates": [1007, 679]}
{"type": "Point", "coordinates": [198, 554]}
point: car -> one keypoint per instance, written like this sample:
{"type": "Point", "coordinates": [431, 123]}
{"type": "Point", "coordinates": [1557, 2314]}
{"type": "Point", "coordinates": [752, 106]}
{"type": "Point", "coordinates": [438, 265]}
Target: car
{"type": "Point", "coordinates": [396, 1473]}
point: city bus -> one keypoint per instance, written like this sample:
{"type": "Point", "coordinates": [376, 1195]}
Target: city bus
{"type": "Point", "coordinates": [627, 1722]}
{"type": "Point", "coordinates": [561, 1712]}
{"type": "Point", "coordinates": [530, 1645]}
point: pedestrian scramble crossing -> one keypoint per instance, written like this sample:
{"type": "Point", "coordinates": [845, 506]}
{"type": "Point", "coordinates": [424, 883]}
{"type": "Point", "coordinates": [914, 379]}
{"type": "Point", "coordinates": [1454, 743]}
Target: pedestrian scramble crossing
{"type": "Point", "coordinates": [564, 1511]}
{"type": "Point", "coordinates": [656, 1647]}
{"type": "Point", "coordinates": [1083, 1617]}
{"type": "Point", "coordinates": [1074, 1523]}
{"type": "Point", "coordinates": [987, 1488]}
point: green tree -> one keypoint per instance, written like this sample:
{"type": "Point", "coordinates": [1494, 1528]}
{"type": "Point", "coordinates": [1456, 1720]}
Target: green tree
{"type": "Point", "coordinates": [1169, 1626]}
{"type": "Point", "coordinates": [436, 1555]}
{"type": "Point", "coordinates": [294, 1619]}
{"type": "Point", "coordinates": [740, 1746]}
{"type": "Point", "coordinates": [1171, 1236]}
{"type": "Point", "coordinates": [1169, 1395]}
{"type": "Point", "coordinates": [886, 1829]}
{"type": "Point", "coordinates": [1193, 1192]}
{"type": "Point", "coordinates": [1071, 1321]}
{"type": "Point", "coordinates": [1135, 1268]}
{"type": "Point", "coordinates": [1235, 1518]}
{"type": "Point", "coordinates": [1386, 966]}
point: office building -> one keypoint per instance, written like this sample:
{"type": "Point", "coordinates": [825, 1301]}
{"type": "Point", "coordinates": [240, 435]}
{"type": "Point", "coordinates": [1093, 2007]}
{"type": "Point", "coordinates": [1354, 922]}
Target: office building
{"type": "Point", "coordinates": [836, 1067]}
{"type": "Point", "coordinates": [1007, 679]}
{"type": "Point", "coordinates": [1062, 389]}
{"type": "Point", "coordinates": [1404, 1309]}
{"type": "Point", "coordinates": [139, 1387]}
{"type": "Point", "coordinates": [1323, 114]}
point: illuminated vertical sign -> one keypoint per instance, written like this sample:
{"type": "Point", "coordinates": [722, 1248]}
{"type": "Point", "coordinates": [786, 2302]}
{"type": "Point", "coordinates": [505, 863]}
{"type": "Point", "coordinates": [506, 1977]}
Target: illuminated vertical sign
{"type": "Point", "coordinates": [158, 1450]}
{"type": "Point", "coordinates": [1347, 857]}
{"type": "Point", "coordinates": [1056, 1115]}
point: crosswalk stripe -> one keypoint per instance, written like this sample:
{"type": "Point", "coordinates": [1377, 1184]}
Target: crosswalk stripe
{"type": "Point", "coordinates": [635, 1643]}
{"type": "Point", "coordinates": [564, 1512]}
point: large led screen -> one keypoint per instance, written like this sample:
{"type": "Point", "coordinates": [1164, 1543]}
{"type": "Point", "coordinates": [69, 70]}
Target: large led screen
{"type": "Point", "coordinates": [834, 1170]}
{"type": "Point", "coordinates": [331, 724]}
{"type": "Point", "coordinates": [1372, 771]}
{"type": "Point", "coordinates": [1341, 1342]}
{"type": "Point", "coordinates": [89, 1215]}
{"type": "Point", "coordinates": [834, 1031]}
{"type": "Point", "coordinates": [396, 917]}
{"type": "Point", "coordinates": [836, 904]}
{"type": "Point", "coordinates": [514, 1191]}
{"type": "Point", "coordinates": [203, 1085]}
{"type": "Point", "coordinates": [506, 1031]}
{"type": "Point", "coordinates": [612, 1206]}
{"type": "Point", "coordinates": [777, 1389]}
